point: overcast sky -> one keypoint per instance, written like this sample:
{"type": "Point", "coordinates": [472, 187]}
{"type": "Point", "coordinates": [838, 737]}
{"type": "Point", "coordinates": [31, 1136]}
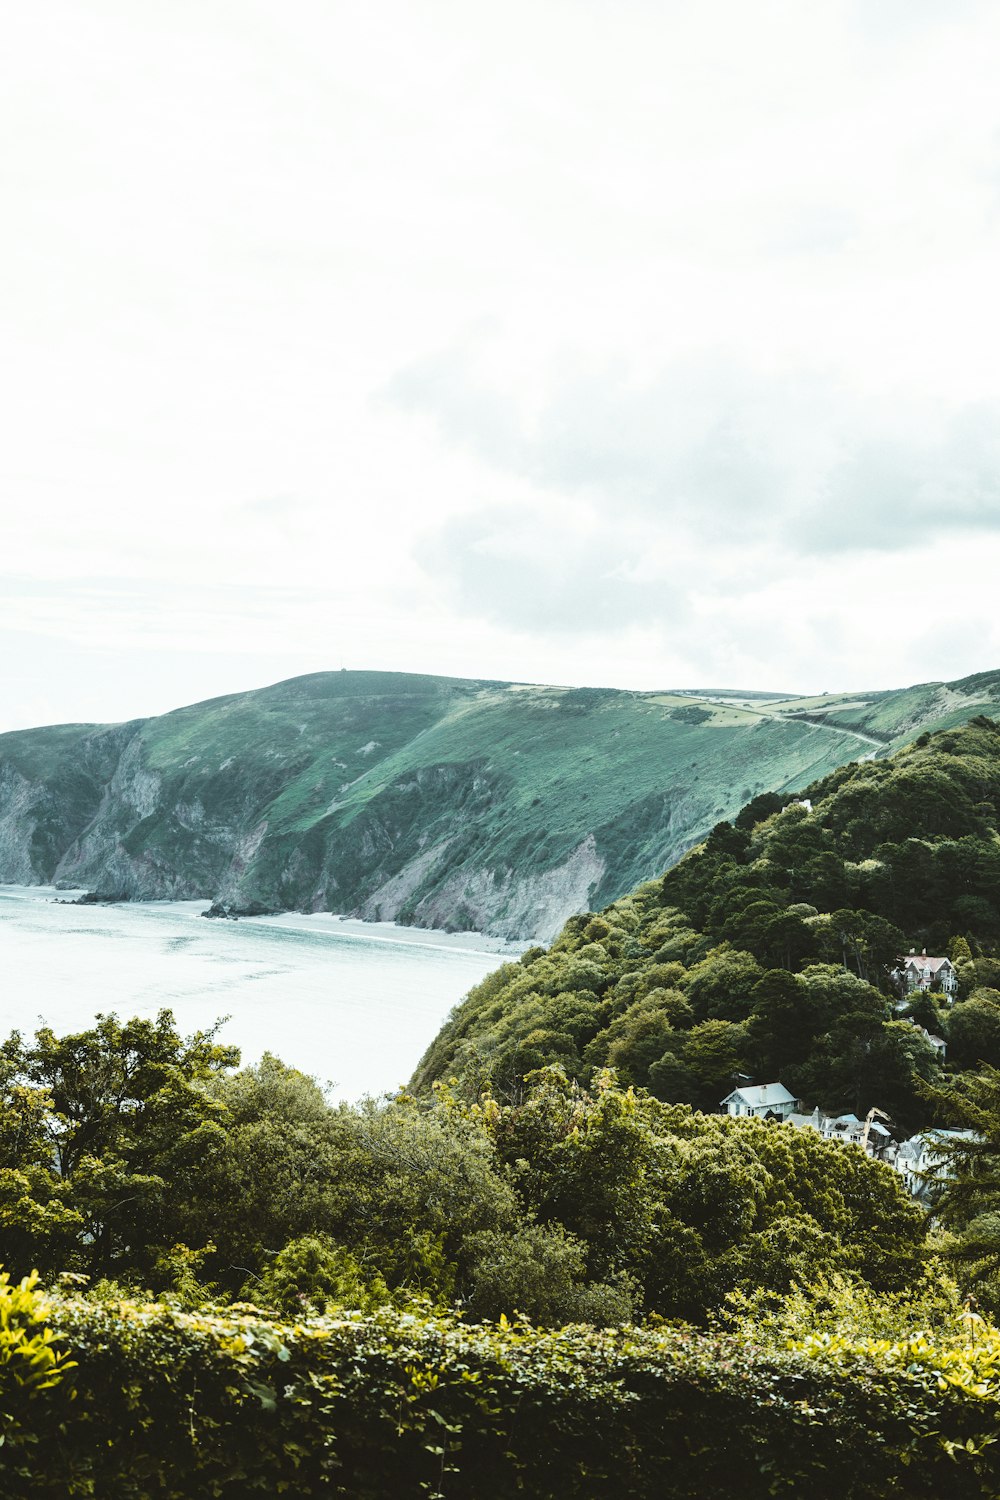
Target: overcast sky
{"type": "Point", "coordinates": [642, 343]}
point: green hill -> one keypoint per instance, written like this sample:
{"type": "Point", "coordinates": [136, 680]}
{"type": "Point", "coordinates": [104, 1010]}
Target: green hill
{"type": "Point", "coordinates": [768, 951]}
{"type": "Point", "coordinates": [460, 804]}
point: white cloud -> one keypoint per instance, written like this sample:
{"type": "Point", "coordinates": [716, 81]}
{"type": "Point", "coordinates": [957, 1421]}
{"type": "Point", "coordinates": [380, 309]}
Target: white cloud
{"type": "Point", "coordinates": [692, 295]}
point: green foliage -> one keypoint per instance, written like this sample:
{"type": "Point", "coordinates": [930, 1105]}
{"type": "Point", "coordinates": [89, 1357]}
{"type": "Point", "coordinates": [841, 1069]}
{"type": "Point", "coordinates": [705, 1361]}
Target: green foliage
{"type": "Point", "coordinates": [28, 1359]}
{"type": "Point", "coordinates": [689, 1207]}
{"type": "Point", "coordinates": [310, 1274]}
{"type": "Point", "coordinates": [540, 1271]}
{"type": "Point", "coordinates": [32, 1358]}
{"type": "Point", "coordinates": [968, 1194]}
{"type": "Point", "coordinates": [973, 1030]}
{"type": "Point", "coordinates": [92, 1128]}
{"type": "Point", "coordinates": [562, 1202]}
{"type": "Point", "coordinates": [175, 1404]}
{"type": "Point", "coordinates": [837, 1306]}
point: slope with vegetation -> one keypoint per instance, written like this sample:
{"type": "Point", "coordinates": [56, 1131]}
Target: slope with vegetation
{"type": "Point", "coordinates": [449, 803]}
{"type": "Point", "coordinates": [258, 1291]}
{"type": "Point", "coordinates": [767, 951]}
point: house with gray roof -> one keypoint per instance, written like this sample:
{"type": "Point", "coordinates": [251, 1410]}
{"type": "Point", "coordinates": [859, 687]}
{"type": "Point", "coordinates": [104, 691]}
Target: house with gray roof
{"type": "Point", "coordinates": [762, 1101]}
{"type": "Point", "coordinates": [872, 1136]}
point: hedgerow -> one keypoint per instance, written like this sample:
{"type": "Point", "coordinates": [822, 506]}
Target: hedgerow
{"type": "Point", "coordinates": [151, 1401]}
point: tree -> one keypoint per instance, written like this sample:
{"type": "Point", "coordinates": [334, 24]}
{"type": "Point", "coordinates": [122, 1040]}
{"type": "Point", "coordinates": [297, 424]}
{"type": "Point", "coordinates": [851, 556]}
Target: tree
{"type": "Point", "coordinates": [781, 1028]}
{"type": "Point", "coordinates": [540, 1270]}
{"type": "Point", "coordinates": [967, 1189]}
{"type": "Point", "coordinates": [123, 1109]}
{"type": "Point", "coordinates": [974, 1030]}
{"type": "Point", "coordinates": [868, 944]}
{"type": "Point", "coordinates": [312, 1272]}
{"type": "Point", "coordinates": [925, 1008]}
{"type": "Point", "coordinates": [759, 808]}
{"type": "Point", "coordinates": [672, 1080]}
{"type": "Point", "coordinates": [714, 1054]}
{"type": "Point", "coordinates": [718, 988]}
{"type": "Point", "coordinates": [132, 1089]}
{"type": "Point", "coordinates": [640, 1035]}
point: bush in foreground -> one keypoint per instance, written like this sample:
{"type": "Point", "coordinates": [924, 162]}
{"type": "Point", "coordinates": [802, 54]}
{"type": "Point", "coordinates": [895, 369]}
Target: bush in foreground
{"type": "Point", "coordinates": [172, 1404]}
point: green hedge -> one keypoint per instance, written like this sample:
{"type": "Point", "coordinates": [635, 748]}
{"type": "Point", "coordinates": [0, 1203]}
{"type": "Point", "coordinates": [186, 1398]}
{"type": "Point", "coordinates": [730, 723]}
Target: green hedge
{"type": "Point", "coordinates": [163, 1403]}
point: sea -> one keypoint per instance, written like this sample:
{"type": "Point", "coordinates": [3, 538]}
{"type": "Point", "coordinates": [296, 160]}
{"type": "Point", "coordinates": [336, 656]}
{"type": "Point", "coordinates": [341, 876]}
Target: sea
{"type": "Point", "coordinates": [353, 1004]}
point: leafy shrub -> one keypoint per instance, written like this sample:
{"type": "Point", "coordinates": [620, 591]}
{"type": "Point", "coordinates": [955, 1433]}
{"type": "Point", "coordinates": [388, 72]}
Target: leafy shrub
{"type": "Point", "coordinates": [312, 1272]}
{"type": "Point", "coordinates": [173, 1405]}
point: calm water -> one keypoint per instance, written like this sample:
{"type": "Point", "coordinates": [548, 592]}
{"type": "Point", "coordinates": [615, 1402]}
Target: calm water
{"type": "Point", "coordinates": [354, 1005]}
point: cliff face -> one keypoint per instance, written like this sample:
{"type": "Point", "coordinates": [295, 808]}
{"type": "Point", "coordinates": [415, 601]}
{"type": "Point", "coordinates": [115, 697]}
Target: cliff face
{"type": "Point", "coordinates": [454, 804]}
{"type": "Point", "coordinates": [53, 783]}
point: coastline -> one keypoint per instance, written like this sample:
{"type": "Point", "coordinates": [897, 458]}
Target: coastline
{"type": "Point", "coordinates": [393, 932]}
{"type": "Point", "coordinates": [331, 922]}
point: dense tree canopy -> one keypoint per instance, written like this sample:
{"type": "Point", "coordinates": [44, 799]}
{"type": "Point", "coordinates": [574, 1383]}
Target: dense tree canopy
{"type": "Point", "coordinates": [130, 1153]}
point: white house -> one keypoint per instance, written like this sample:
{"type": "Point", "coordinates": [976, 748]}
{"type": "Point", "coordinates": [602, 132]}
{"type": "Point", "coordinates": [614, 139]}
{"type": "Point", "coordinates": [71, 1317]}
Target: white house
{"type": "Point", "coordinates": [761, 1100]}
{"type": "Point", "coordinates": [921, 1162]}
{"type": "Point", "coordinates": [937, 1042]}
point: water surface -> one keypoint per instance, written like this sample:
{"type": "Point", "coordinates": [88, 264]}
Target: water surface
{"type": "Point", "coordinates": [352, 1003]}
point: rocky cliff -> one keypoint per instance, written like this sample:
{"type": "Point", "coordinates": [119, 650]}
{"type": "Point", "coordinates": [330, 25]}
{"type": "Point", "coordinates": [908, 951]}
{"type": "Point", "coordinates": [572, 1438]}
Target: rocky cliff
{"type": "Point", "coordinates": [447, 803]}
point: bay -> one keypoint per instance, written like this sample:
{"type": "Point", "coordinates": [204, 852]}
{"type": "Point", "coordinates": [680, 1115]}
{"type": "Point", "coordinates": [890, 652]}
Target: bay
{"type": "Point", "coordinates": [351, 1003]}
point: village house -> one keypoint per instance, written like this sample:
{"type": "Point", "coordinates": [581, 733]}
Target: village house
{"type": "Point", "coordinates": [922, 971]}
{"type": "Point", "coordinates": [871, 1135]}
{"type": "Point", "coordinates": [764, 1101]}
{"type": "Point", "coordinates": [921, 1161]}
{"type": "Point", "coordinates": [937, 1042]}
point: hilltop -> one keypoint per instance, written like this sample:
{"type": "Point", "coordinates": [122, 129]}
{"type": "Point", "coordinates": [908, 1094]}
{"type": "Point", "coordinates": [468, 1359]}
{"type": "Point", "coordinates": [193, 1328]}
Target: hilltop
{"type": "Point", "coordinates": [464, 804]}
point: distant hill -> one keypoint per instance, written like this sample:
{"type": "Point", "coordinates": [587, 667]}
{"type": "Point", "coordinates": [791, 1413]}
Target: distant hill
{"type": "Point", "coordinates": [494, 806]}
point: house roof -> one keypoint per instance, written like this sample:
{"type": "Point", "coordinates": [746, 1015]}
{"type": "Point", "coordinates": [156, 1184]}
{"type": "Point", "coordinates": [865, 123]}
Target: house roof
{"type": "Point", "coordinates": [925, 1142]}
{"type": "Point", "coordinates": [909, 1150]}
{"type": "Point", "coordinates": [846, 1123]}
{"type": "Point", "coordinates": [759, 1095]}
{"type": "Point", "coordinates": [924, 961]}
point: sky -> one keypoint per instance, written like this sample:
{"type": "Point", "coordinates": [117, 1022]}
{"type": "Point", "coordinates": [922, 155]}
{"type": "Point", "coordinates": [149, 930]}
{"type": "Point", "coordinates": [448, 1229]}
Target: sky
{"type": "Point", "coordinates": [641, 344]}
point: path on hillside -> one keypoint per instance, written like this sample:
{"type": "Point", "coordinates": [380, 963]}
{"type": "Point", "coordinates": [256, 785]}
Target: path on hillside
{"type": "Point", "coordinates": [817, 723]}
{"type": "Point", "coordinates": [854, 734]}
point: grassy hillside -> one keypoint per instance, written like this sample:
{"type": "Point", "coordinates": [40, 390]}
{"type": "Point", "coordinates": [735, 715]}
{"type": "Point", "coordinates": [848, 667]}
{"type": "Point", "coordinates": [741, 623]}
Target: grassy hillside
{"type": "Point", "coordinates": [463, 804]}
{"type": "Point", "coordinates": [893, 717]}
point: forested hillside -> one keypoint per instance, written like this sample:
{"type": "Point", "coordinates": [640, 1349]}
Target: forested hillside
{"type": "Point", "coordinates": [459, 804]}
{"type": "Point", "coordinates": [767, 950]}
